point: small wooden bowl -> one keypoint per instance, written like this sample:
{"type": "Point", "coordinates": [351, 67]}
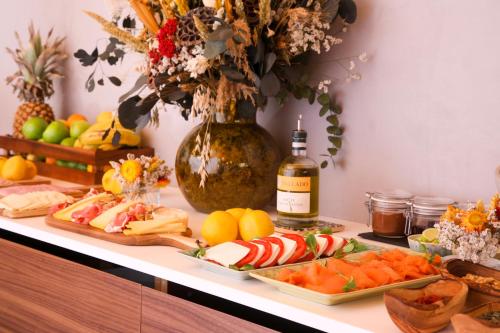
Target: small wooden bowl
{"type": "Point", "coordinates": [470, 321]}
{"type": "Point", "coordinates": [413, 316]}
{"type": "Point", "coordinates": [478, 293]}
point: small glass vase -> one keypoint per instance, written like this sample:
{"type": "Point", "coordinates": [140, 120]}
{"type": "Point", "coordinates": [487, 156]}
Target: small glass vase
{"type": "Point", "coordinates": [148, 195]}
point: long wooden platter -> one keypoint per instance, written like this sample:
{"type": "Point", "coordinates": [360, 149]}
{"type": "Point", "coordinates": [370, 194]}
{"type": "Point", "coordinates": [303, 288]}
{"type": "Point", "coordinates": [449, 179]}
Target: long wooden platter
{"type": "Point", "coordinates": [180, 241]}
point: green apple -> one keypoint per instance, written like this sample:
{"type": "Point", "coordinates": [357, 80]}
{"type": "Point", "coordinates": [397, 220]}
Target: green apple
{"type": "Point", "coordinates": [69, 142]}
{"type": "Point", "coordinates": [55, 132]}
{"type": "Point", "coordinates": [33, 128]}
{"type": "Point", "coordinates": [71, 164]}
{"type": "Point", "coordinates": [62, 163]}
{"type": "Point", "coordinates": [77, 128]}
{"type": "Point", "coordinates": [81, 166]}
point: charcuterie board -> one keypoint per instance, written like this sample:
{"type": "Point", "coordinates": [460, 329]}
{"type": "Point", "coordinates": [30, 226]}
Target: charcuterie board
{"type": "Point", "coordinates": [180, 241]}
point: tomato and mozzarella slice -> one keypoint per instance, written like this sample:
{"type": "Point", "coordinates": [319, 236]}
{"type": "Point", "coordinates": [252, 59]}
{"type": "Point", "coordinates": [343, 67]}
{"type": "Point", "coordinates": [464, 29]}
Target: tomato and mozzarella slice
{"type": "Point", "coordinates": [278, 250]}
{"type": "Point", "coordinates": [339, 242]}
{"type": "Point", "coordinates": [301, 247]}
{"type": "Point", "coordinates": [226, 254]}
{"type": "Point", "coordinates": [321, 245]}
{"type": "Point", "coordinates": [267, 251]}
{"type": "Point", "coordinates": [249, 258]}
{"type": "Point", "coordinates": [329, 250]}
{"type": "Point", "coordinates": [289, 247]}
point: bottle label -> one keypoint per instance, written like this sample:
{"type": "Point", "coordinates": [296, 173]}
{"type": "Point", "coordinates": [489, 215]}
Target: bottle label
{"type": "Point", "coordinates": [294, 184]}
{"type": "Point", "coordinates": [299, 203]}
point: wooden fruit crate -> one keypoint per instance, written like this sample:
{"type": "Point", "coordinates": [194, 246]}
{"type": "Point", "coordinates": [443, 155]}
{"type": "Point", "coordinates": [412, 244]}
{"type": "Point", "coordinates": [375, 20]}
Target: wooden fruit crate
{"type": "Point", "coordinates": [98, 159]}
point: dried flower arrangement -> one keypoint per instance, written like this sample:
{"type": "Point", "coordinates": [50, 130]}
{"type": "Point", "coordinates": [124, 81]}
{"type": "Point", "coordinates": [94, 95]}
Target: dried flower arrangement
{"type": "Point", "coordinates": [137, 175]}
{"type": "Point", "coordinates": [219, 56]}
{"type": "Point", "coordinates": [473, 233]}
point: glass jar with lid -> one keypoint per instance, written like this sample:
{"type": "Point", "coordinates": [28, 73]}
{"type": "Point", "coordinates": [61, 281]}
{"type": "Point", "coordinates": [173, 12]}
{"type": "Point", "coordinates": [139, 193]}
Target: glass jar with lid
{"type": "Point", "coordinates": [387, 212]}
{"type": "Point", "coordinates": [424, 212]}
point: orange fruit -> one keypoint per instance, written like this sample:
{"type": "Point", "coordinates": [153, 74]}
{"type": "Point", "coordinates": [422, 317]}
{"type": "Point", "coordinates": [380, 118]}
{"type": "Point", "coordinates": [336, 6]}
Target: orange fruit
{"type": "Point", "coordinates": [75, 117]}
{"type": "Point", "coordinates": [50, 160]}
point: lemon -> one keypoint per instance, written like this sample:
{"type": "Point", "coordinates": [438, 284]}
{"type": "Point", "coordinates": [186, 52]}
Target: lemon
{"type": "Point", "coordinates": [131, 170]}
{"type": "Point", "coordinates": [255, 224]}
{"type": "Point", "coordinates": [2, 161]}
{"type": "Point", "coordinates": [31, 170]}
{"type": "Point", "coordinates": [430, 234]}
{"type": "Point", "coordinates": [236, 212]}
{"type": "Point", "coordinates": [14, 168]}
{"type": "Point", "coordinates": [219, 227]}
{"type": "Point", "coordinates": [110, 183]}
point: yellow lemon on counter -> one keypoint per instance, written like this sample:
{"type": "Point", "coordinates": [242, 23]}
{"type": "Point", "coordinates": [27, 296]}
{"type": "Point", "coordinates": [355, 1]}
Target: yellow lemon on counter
{"type": "Point", "coordinates": [2, 161]}
{"type": "Point", "coordinates": [255, 224]}
{"type": "Point", "coordinates": [31, 170]}
{"type": "Point", "coordinates": [219, 227]}
{"type": "Point", "coordinates": [110, 183]}
{"type": "Point", "coordinates": [14, 168]}
{"type": "Point", "coordinates": [131, 170]}
{"type": "Point", "coordinates": [236, 212]}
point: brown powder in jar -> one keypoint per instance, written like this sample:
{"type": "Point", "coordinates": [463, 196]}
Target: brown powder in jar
{"type": "Point", "coordinates": [388, 224]}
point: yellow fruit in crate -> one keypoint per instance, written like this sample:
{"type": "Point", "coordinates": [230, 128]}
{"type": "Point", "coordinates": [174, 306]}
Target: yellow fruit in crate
{"type": "Point", "coordinates": [131, 170]}
{"type": "Point", "coordinates": [2, 162]}
{"type": "Point", "coordinates": [255, 224]}
{"type": "Point", "coordinates": [105, 117]}
{"type": "Point", "coordinates": [31, 170]}
{"type": "Point", "coordinates": [110, 183]}
{"type": "Point", "coordinates": [219, 227]}
{"type": "Point", "coordinates": [90, 168]}
{"type": "Point", "coordinates": [14, 168]}
{"type": "Point", "coordinates": [236, 212]}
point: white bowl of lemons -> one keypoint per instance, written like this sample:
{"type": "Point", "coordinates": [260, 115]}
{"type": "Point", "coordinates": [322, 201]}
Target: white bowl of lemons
{"type": "Point", "coordinates": [427, 242]}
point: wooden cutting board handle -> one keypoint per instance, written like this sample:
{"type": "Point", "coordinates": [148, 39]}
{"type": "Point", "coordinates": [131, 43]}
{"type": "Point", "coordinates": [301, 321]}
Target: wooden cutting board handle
{"type": "Point", "coordinates": [180, 242]}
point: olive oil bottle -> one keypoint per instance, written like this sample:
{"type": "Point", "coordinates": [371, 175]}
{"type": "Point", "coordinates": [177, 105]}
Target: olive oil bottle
{"type": "Point", "coordinates": [298, 186]}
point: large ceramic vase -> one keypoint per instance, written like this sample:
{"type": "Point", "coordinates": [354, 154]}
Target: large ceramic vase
{"type": "Point", "coordinates": [244, 159]}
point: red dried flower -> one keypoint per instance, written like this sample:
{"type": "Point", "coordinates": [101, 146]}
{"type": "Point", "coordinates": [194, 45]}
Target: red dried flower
{"type": "Point", "coordinates": [170, 27]}
{"type": "Point", "coordinates": [167, 48]}
{"type": "Point", "coordinates": [154, 55]}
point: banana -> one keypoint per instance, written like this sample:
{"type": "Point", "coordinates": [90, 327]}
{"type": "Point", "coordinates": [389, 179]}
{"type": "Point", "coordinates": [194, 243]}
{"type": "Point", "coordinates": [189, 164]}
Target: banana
{"type": "Point", "coordinates": [78, 144]}
{"type": "Point", "coordinates": [127, 137]}
{"type": "Point", "coordinates": [108, 146]}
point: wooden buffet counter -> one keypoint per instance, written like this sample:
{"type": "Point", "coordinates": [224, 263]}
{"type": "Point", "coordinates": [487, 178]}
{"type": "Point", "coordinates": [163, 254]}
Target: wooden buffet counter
{"type": "Point", "coordinates": [44, 293]}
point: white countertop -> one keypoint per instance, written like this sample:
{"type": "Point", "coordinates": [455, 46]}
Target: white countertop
{"type": "Point", "coordinates": [366, 315]}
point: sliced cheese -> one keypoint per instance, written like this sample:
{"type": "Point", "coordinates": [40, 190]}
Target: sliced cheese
{"type": "Point", "coordinates": [101, 221]}
{"type": "Point", "coordinates": [65, 214]}
{"type": "Point", "coordinates": [153, 227]}
{"type": "Point", "coordinates": [322, 244]}
{"type": "Point", "coordinates": [260, 253]}
{"type": "Point", "coordinates": [276, 251]}
{"type": "Point", "coordinates": [288, 250]}
{"type": "Point", "coordinates": [170, 215]}
{"type": "Point", "coordinates": [226, 254]}
{"type": "Point", "coordinates": [33, 200]}
{"type": "Point", "coordinates": [338, 242]}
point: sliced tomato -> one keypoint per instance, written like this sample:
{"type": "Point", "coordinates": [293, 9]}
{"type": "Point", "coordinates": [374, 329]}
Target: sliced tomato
{"type": "Point", "coordinates": [329, 247]}
{"type": "Point", "coordinates": [279, 242]}
{"type": "Point", "coordinates": [308, 255]}
{"type": "Point", "coordinates": [299, 251]}
{"type": "Point", "coordinates": [268, 250]}
{"type": "Point", "coordinates": [254, 250]}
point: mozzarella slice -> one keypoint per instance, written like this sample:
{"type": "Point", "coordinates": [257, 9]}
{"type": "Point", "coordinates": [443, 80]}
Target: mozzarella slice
{"type": "Point", "coordinates": [289, 249]}
{"type": "Point", "coordinates": [322, 244]}
{"type": "Point", "coordinates": [276, 251]}
{"type": "Point", "coordinates": [226, 254]}
{"type": "Point", "coordinates": [338, 242]}
{"type": "Point", "coordinates": [259, 255]}
{"type": "Point", "coordinates": [331, 251]}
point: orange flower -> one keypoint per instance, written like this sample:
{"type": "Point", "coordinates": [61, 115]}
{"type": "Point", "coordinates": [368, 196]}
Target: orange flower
{"type": "Point", "coordinates": [474, 220]}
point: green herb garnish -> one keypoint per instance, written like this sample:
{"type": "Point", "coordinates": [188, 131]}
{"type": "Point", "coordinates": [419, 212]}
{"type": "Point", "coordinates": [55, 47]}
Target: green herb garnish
{"type": "Point", "coordinates": [197, 253]}
{"type": "Point", "coordinates": [350, 285]}
{"type": "Point", "coordinates": [246, 267]}
{"type": "Point", "coordinates": [312, 244]}
{"type": "Point", "coordinates": [326, 231]}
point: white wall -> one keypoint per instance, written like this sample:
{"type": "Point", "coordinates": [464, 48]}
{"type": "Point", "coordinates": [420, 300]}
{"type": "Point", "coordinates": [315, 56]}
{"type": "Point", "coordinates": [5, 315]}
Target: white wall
{"type": "Point", "coordinates": [425, 116]}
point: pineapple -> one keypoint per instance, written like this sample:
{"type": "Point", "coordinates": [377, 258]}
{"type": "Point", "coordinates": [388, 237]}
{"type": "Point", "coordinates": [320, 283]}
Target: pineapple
{"type": "Point", "coordinates": [39, 65]}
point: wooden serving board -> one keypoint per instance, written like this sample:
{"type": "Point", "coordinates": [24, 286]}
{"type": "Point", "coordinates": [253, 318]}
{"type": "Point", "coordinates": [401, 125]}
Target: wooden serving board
{"type": "Point", "coordinates": [17, 214]}
{"type": "Point", "coordinates": [34, 181]}
{"type": "Point", "coordinates": [180, 241]}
